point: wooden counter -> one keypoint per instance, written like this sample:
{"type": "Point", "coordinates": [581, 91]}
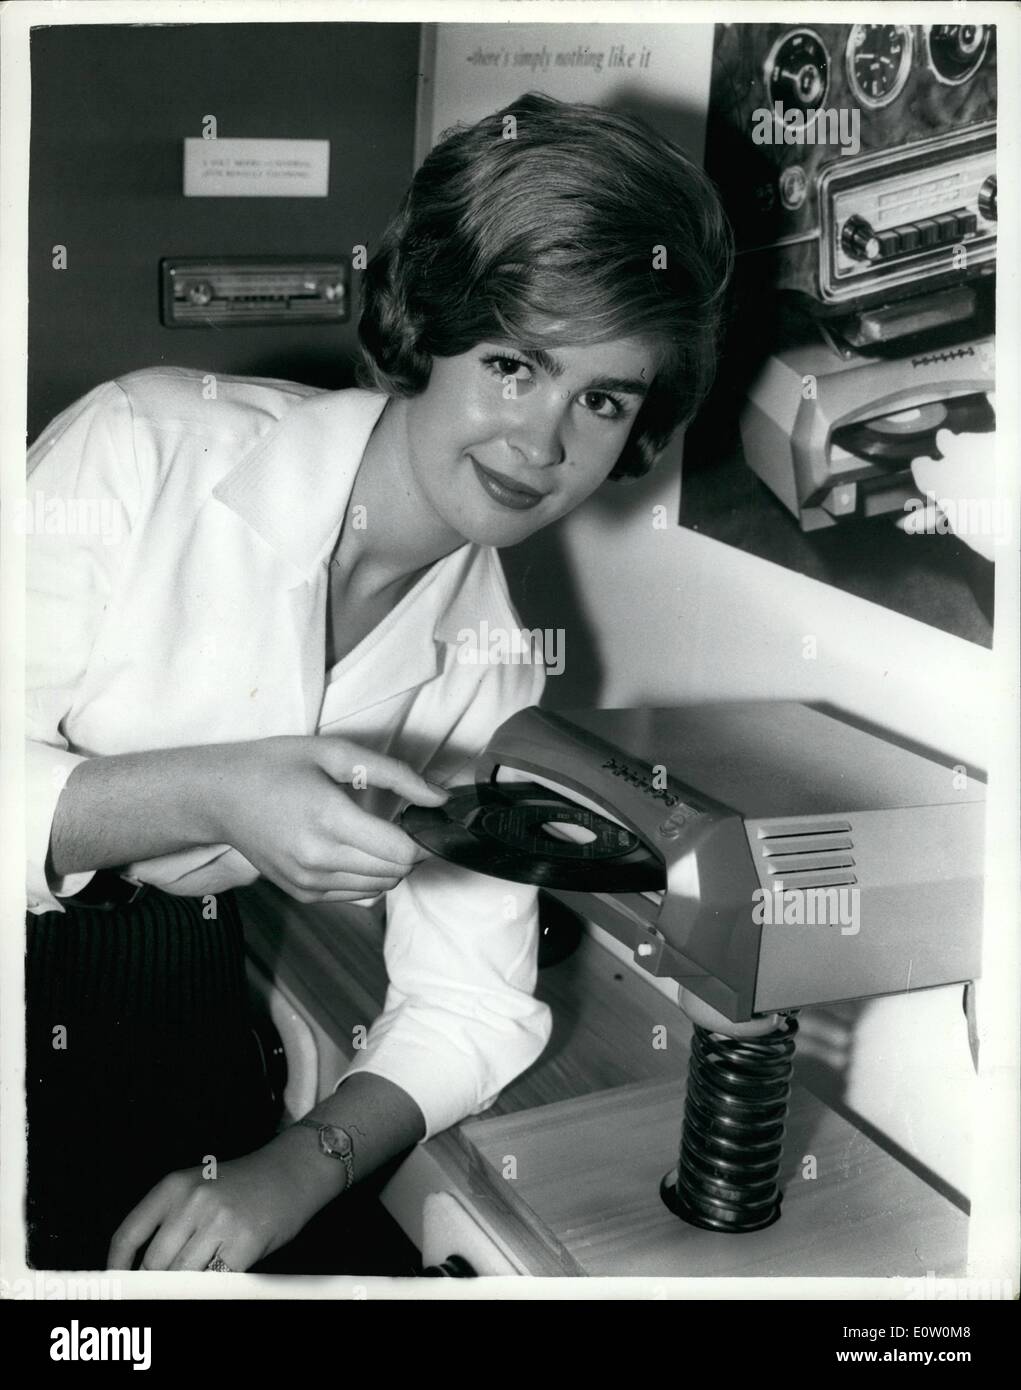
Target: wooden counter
{"type": "Point", "coordinates": [589, 1171]}
{"type": "Point", "coordinates": [595, 1123]}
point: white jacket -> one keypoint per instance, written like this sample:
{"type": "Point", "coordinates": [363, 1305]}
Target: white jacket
{"type": "Point", "coordinates": [178, 548]}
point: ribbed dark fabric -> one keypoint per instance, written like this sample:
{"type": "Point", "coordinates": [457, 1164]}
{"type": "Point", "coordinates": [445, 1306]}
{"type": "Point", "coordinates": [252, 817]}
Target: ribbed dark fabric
{"type": "Point", "coordinates": [160, 1068]}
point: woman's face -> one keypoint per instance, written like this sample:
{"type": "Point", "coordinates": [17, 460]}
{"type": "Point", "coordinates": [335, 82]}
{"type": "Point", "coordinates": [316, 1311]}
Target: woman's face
{"type": "Point", "coordinates": [505, 440]}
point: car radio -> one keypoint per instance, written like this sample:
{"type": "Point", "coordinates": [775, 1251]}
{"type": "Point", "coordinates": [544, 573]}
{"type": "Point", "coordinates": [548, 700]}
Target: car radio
{"type": "Point", "coordinates": [840, 223]}
{"type": "Point", "coordinates": [923, 214]}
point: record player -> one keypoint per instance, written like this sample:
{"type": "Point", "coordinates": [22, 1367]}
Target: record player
{"type": "Point", "coordinates": [833, 433]}
{"type": "Point", "coordinates": [767, 856]}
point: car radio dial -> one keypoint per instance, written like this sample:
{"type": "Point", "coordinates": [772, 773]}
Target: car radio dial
{"type": "Point", "coordinates": [859, 240]}
{"type": "Point", "coordinates": [987, 199]}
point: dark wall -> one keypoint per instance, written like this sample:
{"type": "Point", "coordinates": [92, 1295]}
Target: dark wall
{"type": "Point", "coordinates": [111, 106]}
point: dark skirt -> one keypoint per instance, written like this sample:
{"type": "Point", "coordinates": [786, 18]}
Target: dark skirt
{"type": "Point", "coordinates": [140, 1060]}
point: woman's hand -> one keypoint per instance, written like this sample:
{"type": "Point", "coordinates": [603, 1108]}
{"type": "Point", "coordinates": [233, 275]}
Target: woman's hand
{"type": "Point", "coordinates": [252, 1207]}
{"type": "Point", "coordinates": [961, 486]}
{"type": "Point", "coordinates": [280, 802]}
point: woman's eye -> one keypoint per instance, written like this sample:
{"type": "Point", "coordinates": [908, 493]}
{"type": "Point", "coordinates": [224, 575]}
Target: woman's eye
{"type": "Point", "coordinates": [606, 407]}
{"type": "Point", "coordinates": [508, 367]}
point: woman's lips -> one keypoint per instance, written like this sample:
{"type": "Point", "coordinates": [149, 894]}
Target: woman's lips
{"type": "Point", "coordinates": [505, 490]}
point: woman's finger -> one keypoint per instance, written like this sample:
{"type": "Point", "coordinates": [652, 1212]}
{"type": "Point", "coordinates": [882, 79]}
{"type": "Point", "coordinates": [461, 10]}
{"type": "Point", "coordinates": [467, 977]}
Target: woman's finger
{"type": "Point", "coordinates": [365, 899]}
{"type": "Point", "coordinates": [197, 1252]}
{"type": "Point", "coordinates": [380, 770]}
{"type": "Point", "coordinates": [359, 863]}
{"type": "Point", "coordinates": [347, 895]}
{"type": "Point", "coordinates": [339, 876]}
{"type": "Point", "coordinates": [238, 1249]}
{"type": "Point", "coordinates": [385, 842]}
{"type": "Point", "coordinates": [341, 887]}
{"type": "Point", "coordinates": [171, 1238]}
{"type": "Point", "coordinates": [139, 1225]}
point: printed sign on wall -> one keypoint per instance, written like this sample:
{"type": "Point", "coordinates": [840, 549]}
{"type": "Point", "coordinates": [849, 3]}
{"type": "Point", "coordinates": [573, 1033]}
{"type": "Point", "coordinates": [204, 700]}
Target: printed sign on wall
{"type": "Point", "coordinates": [256, 168]}
{"type": "Point", "coordinates": [658, 71]}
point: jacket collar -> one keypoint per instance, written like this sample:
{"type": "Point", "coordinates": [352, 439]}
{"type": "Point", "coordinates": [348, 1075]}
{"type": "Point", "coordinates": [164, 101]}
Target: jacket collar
{"type": "Point", "coordinates": [293, 489]}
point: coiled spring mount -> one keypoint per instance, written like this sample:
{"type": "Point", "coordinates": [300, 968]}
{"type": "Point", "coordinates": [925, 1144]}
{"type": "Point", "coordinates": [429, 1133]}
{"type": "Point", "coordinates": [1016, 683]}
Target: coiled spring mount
{"type": "Point", "coordinates": [732, 1140]}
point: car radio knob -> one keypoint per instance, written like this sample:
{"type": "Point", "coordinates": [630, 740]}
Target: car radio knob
{"type": "Point", "coordinates": [987, 199]}
{"type": "Point", "coordinates": [858, 239]}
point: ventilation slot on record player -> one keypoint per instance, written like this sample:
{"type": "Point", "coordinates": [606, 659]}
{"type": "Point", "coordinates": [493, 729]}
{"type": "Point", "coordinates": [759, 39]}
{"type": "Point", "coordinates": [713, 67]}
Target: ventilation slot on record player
{"type": "Point", "coordinates": [805, 854]}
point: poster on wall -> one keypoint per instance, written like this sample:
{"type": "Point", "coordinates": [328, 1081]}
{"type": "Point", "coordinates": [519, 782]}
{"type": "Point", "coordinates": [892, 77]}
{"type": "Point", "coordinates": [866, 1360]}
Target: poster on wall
{"type": "Point", "coordinates": [818, 448]}
{"type": "Point", "coordinates": [658, 71]}
{"type": "Point", "coordinates": [857, 164]}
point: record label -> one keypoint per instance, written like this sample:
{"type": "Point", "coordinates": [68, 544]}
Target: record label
{"type": "Point", "coordinates": [524, 828]}
{"type": "Point", "coordinates": [511, 832]}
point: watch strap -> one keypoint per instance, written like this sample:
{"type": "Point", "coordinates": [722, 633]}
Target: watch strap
{"type": "Point", "coordinates": [346, 1158]}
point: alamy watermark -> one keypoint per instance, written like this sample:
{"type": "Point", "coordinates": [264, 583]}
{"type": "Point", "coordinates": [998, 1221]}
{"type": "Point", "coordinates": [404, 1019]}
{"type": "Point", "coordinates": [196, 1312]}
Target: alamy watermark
{"type": "Point", "coordinates": [931, 1288]}
{"type": "Point", "coordinates": [989, 517]}
{"type": "Point", "coordinates": [501, 646]}
{"type": "Point", "coordinates": [780, 125]}
{"type": "Point", "coordinates": [808, 907]}
{"type": "Point", "coordinates": [55, 1287]}
{"type": "Point", "coordinates": [40, 514]}
{"type": "Point", "coordinates": [76, 1342]}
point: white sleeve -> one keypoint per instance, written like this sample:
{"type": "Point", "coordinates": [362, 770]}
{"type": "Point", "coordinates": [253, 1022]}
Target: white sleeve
{"type": "Point", "coordinates": [459, 1022]}
{"type": "Point", "coordinates": [82, 496]}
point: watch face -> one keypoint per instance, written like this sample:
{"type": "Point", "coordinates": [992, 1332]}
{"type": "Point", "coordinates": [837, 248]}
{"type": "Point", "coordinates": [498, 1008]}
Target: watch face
{"type": "Point", "coordinates": [335, 1141]}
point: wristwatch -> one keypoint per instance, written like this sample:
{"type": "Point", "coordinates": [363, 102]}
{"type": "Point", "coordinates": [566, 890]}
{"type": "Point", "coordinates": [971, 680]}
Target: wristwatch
{"type": "Point", "coordinates": [334, 1142]}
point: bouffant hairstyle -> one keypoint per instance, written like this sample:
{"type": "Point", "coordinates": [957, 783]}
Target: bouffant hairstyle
{"type": "Point", "coordinates": [554, 224]}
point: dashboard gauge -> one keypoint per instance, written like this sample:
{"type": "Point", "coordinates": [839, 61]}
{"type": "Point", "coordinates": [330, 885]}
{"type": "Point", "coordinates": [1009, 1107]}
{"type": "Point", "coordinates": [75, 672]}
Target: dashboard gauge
{"type": "Point", "coordinates": [878, 62]}
{"type": "Point", "coordinates": [798, 72]}
{"type": "Point", "coordinates": [956, 51]}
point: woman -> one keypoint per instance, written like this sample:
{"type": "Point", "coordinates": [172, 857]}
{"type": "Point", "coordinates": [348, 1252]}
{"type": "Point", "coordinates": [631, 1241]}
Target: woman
{"type": "Point", "coordinates": [541, 315]}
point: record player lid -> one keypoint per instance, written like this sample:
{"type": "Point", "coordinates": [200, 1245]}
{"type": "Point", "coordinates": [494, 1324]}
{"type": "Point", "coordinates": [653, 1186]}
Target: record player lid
{"type": "Point", "coordinates": [782, 758]}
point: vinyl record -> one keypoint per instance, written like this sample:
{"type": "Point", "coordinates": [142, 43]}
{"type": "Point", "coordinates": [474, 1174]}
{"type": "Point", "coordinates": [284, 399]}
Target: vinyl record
{"type": "Point", "coordinates": [909, 434]}
{"type": "Point", "coordinates": [504, 832]}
